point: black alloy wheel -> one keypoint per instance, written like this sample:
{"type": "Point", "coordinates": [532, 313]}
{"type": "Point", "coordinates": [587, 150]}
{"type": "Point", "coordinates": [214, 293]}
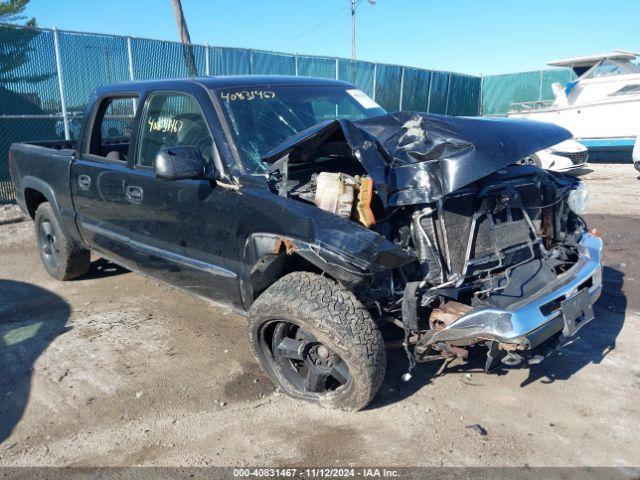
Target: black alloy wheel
{"type": "Point", "coordinates": [48, 244]}
{"type": "Point", "coordinates": [298, 357]}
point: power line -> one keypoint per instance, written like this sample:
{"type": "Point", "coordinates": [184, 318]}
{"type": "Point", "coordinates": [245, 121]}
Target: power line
{"type": "Point", "coordinates": [315, 27]}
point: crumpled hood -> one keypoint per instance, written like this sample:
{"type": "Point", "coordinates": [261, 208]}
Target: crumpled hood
{"type": "Point", "coordinates": [418, 157]}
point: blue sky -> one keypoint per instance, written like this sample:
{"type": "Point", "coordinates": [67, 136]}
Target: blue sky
{"type": "Point", "coordinates": [468, 36]}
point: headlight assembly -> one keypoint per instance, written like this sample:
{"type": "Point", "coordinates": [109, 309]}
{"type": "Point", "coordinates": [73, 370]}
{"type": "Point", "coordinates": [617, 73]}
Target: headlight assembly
{"type": "Point", "coordinates": [578, 199]}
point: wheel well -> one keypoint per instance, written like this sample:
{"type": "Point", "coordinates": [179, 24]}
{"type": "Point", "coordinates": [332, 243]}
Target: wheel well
{"type": "Point", "coordinates": [271, 268]}
{"type": "Point", "coordinates": [33, 198]}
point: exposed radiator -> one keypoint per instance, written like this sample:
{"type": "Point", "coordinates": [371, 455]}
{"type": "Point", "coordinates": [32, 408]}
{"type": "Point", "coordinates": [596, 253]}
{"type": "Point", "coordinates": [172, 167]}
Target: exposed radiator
{"type": "Point", "coordinates": [499, 238]}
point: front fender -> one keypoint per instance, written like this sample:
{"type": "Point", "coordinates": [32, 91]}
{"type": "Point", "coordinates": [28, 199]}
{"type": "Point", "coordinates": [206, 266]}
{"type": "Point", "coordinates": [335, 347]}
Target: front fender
{"type": "Point", "coordinates": [271, 227]}
{"type": "Point", "coordinates": [353, 267]}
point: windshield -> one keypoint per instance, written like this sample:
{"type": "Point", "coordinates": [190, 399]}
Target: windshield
{"type": "Point", "coordinates": [260, 118]}
{"type": "Point", "coordinates": [606, 68]}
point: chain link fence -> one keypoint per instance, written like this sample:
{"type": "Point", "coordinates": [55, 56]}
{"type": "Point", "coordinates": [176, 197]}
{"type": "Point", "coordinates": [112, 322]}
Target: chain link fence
{"type": "Point", "coordinates": [46, 77]}
{"type": "Point", "coordinates": [503, 93]}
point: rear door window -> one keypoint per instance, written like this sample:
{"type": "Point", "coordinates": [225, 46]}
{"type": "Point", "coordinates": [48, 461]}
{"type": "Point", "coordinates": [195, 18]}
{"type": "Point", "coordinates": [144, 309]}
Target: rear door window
{"type": "Point", "coordinates": [111, 132]}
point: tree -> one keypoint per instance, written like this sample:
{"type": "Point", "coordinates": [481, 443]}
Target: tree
{"type": "Point", "coordinates": [10, 12]}
{"type": "Point", "coordinates": [15, 42]}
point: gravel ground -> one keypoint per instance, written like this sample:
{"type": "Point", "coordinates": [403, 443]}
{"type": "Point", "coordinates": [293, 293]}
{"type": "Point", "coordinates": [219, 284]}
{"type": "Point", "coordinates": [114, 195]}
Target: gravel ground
{"type": "Point", "coordinates": [116, 370]}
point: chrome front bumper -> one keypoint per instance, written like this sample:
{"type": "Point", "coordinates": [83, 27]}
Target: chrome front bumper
{"type": "Point", "coordinates": [531, 321]}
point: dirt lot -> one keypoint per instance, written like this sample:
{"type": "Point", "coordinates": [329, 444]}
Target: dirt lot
{"type": "Point", "coordinates": [114, 369]}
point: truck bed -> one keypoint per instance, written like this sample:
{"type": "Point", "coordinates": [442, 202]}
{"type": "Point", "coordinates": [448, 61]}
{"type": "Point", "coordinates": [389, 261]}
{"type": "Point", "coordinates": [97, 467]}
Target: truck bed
{"type": "Point", "coordinates": [44, 167]}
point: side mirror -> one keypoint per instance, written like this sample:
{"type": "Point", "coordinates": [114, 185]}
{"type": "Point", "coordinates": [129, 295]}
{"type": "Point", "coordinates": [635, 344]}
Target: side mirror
{"type": "Point", "coordinates": [179, 163]}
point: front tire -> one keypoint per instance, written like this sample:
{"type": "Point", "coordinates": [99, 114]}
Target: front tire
{"type": "Point", "coordinates": [62, 258]}
{"type": "Point", "coordinates": [317, 342]}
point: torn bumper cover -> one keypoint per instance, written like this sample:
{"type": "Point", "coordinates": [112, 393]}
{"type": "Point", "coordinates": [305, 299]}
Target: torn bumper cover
{"type": "Point", "coordinates": [563, 305]}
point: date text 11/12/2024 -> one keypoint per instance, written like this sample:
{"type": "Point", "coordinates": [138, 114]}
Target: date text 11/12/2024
{"type": "Point", "coordinates": [316, 472]}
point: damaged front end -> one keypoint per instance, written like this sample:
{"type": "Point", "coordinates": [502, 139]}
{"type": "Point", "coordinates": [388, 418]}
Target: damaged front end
{"type": "Point", "coordinates": [494, 253]}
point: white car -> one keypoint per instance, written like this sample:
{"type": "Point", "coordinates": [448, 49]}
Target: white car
{"type": "Point", "coordinates": [565, 156]}
{"type": "Point", "coordinates": [636, 154]}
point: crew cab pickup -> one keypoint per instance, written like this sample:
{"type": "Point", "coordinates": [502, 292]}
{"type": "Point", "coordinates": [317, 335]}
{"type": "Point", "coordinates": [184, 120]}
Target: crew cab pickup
{"type": "Point", "coordinates": [303, 203]}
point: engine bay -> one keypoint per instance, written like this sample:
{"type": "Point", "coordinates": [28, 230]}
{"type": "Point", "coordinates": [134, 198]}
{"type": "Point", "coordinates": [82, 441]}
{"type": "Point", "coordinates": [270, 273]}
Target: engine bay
{"type": "Point", "coordinates": [470, 240]}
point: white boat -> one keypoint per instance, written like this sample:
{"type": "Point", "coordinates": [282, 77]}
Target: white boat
{"type": "Point", "coordinates": [601, 107]}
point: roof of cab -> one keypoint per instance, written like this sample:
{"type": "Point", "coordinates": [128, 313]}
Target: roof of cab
{"type": "Point", "coordinates": [220, 81]}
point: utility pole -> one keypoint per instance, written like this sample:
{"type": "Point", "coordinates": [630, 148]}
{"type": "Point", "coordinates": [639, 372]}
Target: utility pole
{"type": "Point", "coordinates": [185, 38]}
{"type": "Point", "coordinates": [353, 30]}
{"type": "Point", "coordinates": [354, 4]}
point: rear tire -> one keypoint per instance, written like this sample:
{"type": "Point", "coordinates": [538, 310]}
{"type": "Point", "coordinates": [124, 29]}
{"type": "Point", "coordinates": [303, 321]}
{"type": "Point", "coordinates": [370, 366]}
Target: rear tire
{"type": "Point", "coordinates": [62, 258]}
{"type": "Point", "coordinates": [317, 342]}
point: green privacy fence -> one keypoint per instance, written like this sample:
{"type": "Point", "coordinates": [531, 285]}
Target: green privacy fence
{"type": "Point", "coordinates": [46, 77]}
{"type": "Point", "coordinates": [501, 93]}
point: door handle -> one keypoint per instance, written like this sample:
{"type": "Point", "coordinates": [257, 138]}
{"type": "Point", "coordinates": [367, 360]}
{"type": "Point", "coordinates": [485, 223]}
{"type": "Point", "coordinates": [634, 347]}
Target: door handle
{"type": "Point", "coordinates": [134, 194]}
{"type": "Point", "coordinates": [84, 181]}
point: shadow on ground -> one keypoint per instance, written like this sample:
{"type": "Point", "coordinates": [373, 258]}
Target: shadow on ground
{"type": "Point", "coordinates": [30, 319]}
{"type": "Point", "coordinates": [582, 171]}
{"type": "Point", "coordinates": [590, 345]}
{"type": "Point", "coordinates": [593, 342]}
{"type": "Point", "coordinates": [102, 268]}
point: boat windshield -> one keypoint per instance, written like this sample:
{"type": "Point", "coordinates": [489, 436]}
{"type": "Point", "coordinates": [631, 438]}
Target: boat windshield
{"type": "Point", "coordinates": [260, 118]}
{"type": "Point", "coordinates": [606, 68]}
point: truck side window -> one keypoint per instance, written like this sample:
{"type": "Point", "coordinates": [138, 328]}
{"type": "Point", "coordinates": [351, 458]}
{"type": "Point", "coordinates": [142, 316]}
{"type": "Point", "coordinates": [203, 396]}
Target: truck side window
{"type": "Point", "coordinates": [112, 129]}
{"type": "Point", "coordinates": [171, 120]}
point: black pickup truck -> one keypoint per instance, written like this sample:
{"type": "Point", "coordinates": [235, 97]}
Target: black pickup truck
{"type": "Point", "coordinates": [328, 220]}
